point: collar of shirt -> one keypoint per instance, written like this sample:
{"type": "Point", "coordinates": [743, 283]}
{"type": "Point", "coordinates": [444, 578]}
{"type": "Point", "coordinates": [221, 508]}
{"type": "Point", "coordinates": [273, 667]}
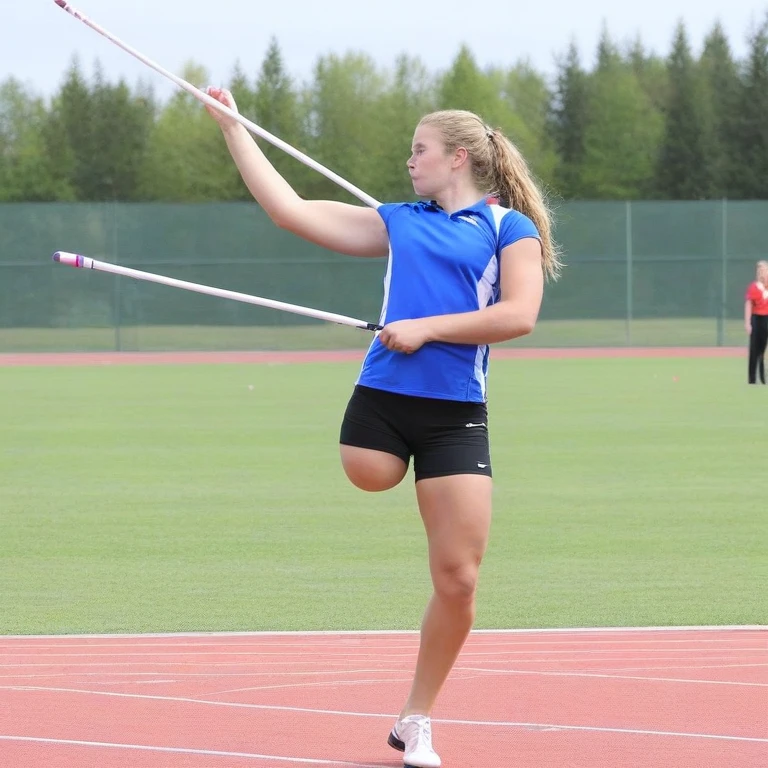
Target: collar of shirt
{"type": "Point", "coordinates": [478, 207]}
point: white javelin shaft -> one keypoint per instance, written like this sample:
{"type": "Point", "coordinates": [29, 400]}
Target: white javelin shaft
{"type": "Point", "coordinates": [206, 99]}
{"type": "Point", "coordinates": [75, 260]}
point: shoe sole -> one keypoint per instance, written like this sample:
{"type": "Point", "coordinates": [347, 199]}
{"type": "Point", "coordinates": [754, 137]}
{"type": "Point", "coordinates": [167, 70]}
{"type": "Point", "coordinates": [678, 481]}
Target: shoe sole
{"type": "Point", "coordinates": [399, 745]}
{"type": "Point", "coordinates": [396, 743]}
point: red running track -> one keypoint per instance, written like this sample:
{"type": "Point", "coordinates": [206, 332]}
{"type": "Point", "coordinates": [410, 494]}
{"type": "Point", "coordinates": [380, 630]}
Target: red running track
{"type": "Point", "coordinates": [681, 698]}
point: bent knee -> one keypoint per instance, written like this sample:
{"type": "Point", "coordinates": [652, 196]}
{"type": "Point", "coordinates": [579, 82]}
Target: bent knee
{"type": "Point", "coordinates": [372, 470]}
{"type": "Point", "coordinates": [456, 584]}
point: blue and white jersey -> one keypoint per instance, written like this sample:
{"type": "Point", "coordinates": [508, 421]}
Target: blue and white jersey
{"type": "Point", "coordinates": [440, 264]}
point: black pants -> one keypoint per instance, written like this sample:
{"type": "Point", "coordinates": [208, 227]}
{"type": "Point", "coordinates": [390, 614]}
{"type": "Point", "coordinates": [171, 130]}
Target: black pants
{"type": "Point", "coordinates": [758, 340]}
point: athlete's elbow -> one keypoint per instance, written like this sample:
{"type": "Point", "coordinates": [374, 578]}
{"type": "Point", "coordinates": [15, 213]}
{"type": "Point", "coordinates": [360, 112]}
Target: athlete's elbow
{"type": "Point", "coordinates": [526, 326]}
{"type": "Point", "coordinates": [522, 327]}
{"type": "Point", "coordinates": [284, 212]}
{"type": "Point", "coordinates": [283, 218]}
{"type": "Point", "coordinates": [517, 324]}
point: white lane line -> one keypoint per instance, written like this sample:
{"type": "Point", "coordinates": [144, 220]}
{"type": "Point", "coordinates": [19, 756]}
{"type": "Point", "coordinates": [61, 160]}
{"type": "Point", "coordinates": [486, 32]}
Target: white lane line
{"type": "Point", "coordinates": [186, 751]}
{"type": "Point", "coordinates": [547, 673]}
{"type": "Point", "coordinates": [580, 631]}
{"type": "Point", "coordinates": [391, 716]}
{"type": "Point", "coordinates": [344, 654]}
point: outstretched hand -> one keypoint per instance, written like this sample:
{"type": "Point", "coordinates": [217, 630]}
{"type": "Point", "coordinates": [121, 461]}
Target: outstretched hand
{"type": "Point", "coordinates": [228, 100]}
{"type": "Point", "coordinates": [406, 336]}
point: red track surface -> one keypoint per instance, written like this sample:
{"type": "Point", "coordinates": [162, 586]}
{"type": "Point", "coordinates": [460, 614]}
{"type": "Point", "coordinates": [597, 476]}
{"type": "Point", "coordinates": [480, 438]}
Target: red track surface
{"type": "Point", "coordinates": [614, 699]}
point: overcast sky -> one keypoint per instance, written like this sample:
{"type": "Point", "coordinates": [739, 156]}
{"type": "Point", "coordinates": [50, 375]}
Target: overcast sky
{"type": "Point", "coordinates": [39, 39]}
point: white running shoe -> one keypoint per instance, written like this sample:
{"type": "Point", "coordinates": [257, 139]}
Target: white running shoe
{"type": "Point", "coordinates": [413, 735]}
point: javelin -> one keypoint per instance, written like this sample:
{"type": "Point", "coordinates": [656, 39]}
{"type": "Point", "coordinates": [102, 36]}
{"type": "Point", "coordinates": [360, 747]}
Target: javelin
{"type": "Point", "coordinates": [75, 260]}
{"type": "Point", "coordinates": [211, 102]}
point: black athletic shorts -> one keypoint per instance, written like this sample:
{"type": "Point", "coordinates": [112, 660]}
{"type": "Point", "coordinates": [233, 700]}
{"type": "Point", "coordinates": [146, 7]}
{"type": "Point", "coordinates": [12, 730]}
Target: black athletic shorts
{"type": "Point", "coordinates": [445, 437]}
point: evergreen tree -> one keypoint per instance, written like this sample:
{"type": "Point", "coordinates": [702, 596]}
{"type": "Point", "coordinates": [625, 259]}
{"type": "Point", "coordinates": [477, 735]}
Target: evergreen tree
{"type": "Point", "coordinates": [276, 107]}
{"type": "Point", "coordinates": [569, 117]}
{"type": "Point", "coordinates": [751, 161]}
{"type": "Point", "coordinates": [120, 129]}
{"type": "Point", "coordinates": [722, 87]}
{"type": "Point", "coordinates": [683, 171]}
{"type": "Point", "coordinates": [68, 134]}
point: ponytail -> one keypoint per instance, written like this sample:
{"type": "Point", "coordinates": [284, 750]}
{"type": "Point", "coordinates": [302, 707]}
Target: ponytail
{"type": "Point", "coordinates": [515, 187]}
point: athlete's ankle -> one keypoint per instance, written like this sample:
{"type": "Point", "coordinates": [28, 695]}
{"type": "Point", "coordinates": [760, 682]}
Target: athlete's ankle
{"type": "Point", "coordinates": [408, 711]}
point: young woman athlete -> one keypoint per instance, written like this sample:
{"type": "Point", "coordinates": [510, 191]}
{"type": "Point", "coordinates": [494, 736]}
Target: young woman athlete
{"type": "Point", "coordinates": [467, 266]}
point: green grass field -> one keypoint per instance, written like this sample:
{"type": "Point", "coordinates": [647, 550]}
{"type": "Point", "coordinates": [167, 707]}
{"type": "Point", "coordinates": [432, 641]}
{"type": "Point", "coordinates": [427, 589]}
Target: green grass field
{"type": "Point", "coordinates": [665, 332]}
{"type": "Point", "coordinates": [176, 498]}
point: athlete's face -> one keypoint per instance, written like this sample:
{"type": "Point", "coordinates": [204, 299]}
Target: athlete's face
{"type": "Point", "coordinates": [429, 165]}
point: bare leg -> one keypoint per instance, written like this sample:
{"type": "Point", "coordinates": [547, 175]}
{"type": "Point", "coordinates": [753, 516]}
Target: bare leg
{"type": "Point", "coordinates": [456, 511]}
{"type": "Point", "coordinates": [372, 470]}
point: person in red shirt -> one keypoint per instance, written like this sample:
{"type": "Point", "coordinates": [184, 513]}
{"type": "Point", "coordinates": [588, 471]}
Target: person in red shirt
{"type": "Point", "coordinates": [756, 322]}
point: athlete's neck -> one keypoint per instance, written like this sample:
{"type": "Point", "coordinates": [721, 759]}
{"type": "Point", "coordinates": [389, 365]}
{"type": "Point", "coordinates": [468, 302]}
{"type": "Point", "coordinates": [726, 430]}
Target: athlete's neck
{"type": "Point", "coordinates": [452, 200]}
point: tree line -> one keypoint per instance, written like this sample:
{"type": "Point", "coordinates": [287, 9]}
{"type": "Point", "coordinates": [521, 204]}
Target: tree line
{"type": "Point", "coordinates": [632, 125]}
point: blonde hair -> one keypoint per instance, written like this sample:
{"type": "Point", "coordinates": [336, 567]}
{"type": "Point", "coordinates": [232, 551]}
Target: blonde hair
{"type": "Point", "coordinates": [761, 266]}
{"type": "Point", "coordinates": [498, 169]}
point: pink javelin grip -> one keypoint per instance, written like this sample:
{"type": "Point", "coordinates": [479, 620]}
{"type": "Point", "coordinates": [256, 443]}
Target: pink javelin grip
{"type": "Point", "coordinates": [72, 259]}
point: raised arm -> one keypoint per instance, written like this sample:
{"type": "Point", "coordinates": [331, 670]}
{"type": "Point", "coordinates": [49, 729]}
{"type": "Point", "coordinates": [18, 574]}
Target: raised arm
{"type": "Point", "coordinates": [350, 229]}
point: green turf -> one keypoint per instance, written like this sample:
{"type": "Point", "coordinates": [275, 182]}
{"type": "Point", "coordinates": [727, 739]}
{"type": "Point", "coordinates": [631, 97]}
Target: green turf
{"type": "Point", "coordinates": [699, 331]}
{"type": "Point", "coordinates": [177, 498]}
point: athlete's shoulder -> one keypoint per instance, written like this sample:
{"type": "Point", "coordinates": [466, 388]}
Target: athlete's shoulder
{"type": "Point", "coordinates": [511, 225]}
{"type": "Point", "coordinates": [388, 210]}
{"type": "Point", "coordinates": [509, 216]}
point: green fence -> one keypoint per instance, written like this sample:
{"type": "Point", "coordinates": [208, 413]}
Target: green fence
{"type": "Point", "coordinates": [641, 273]}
